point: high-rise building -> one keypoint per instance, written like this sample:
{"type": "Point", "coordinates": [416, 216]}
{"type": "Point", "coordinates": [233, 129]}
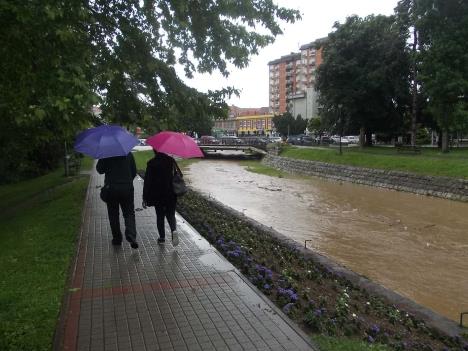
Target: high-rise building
{"type": "Point", "coordinates": [292, 82]}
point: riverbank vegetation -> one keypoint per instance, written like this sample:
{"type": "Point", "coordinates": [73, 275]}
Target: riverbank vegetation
{"type": "Point", "coordinates": [429, 162]}
{"type": "Point", "coordinates": [142, 158]}
{"type": "Point", "coordinates": [322, 302]}
{"type": "Point", "coordinates": [39, 221]}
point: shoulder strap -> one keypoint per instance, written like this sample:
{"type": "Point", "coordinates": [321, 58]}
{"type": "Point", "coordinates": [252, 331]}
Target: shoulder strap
{"type": "Point", "coordinates": [177, 169]}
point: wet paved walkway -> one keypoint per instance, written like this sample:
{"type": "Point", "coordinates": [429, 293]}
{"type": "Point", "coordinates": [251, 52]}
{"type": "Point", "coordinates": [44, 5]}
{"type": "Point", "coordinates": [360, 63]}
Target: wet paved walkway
{"type": "Point", "coordinates": [161, 297]}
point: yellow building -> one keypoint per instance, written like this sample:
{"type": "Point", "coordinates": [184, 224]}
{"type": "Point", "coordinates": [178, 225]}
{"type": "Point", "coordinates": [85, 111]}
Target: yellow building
{"type": "Point", "coordinates": [255, 125]}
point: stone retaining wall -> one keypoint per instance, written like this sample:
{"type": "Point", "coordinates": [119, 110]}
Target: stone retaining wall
{"type": "Point", "coordinates": [444, 187]}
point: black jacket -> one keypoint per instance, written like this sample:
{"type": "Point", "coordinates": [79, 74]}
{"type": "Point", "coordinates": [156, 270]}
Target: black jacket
{"type": "Point", "coordinates": [157, 187]}
{"type": "Point", "coordinates": [119, 170]}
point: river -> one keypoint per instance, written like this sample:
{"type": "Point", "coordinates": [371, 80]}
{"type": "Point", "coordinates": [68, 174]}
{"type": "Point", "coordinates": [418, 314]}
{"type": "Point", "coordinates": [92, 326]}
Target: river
{"type": "Point", "coordinates": [414, 245]}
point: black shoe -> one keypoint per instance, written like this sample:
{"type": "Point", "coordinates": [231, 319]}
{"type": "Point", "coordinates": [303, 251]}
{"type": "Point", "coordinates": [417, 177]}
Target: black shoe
{"type": "Point", "coordinates": [161, 240]}
{"type": "Point", "coordinates": [116, 242]}
{"type": "Point", "coordinates": [132, 242]}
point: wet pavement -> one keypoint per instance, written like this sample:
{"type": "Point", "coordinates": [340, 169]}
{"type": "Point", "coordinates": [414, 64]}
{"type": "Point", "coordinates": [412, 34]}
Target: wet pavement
{"type": "Point", "coordinates": [161, 297]}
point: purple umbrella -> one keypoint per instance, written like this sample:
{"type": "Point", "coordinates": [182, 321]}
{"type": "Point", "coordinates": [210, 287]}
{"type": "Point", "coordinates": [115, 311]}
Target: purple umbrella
{"type": "Point", "coordinates": [105, 141]}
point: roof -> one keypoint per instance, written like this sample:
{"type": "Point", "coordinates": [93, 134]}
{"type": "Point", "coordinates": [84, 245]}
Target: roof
{"type": "Point", "coordinates": [286, 58]}
{"type": "Point", "coordinates": [313, 44]}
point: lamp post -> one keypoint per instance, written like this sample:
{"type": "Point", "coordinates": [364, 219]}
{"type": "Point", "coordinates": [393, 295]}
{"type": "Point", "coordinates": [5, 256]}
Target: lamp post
{"type": "Point", "coordinates": [340, 124]}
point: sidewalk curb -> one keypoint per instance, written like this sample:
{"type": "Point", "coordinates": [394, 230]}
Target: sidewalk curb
{"type": "Point", "coordinates": [63, 317]}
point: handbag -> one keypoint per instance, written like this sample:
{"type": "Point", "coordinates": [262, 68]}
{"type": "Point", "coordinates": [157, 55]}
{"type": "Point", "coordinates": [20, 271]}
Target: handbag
{"type": "Point", "coordinates": [178, 183]}
{"type": "Point", "coordinates": [105, 193]}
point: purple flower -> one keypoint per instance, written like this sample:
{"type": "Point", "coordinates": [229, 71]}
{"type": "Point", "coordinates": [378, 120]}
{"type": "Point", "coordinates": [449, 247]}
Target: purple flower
{"type": "Point", "coordinates": [267, 286]}
{"type": "Point", "coordinates": [224, 247]}
{"type": "Point", "coordinates": [287, 307]}
{"type": "Point", "coordinates": [370, 339]}
{"type": "Point", "coordinates": [374, 330]}
{"type": "Point", "coordinates": [233, 253]}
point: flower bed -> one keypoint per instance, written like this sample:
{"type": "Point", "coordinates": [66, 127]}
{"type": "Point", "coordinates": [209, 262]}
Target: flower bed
{"type": "Point", "coordinates": [316, 298]}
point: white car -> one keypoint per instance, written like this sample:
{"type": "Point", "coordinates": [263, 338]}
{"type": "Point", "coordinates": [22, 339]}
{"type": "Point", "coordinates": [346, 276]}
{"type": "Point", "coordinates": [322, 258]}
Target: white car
{"type": "Point", "coordinates": [336, 139]}
{"type": "Point", "coordinates": [353, 139]}
{"type": "Point", "coordinates": [275, 139]}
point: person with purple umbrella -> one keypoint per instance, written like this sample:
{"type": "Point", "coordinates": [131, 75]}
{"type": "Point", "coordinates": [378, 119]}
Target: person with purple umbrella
{"type": "Point", "coordinates": [119, 174]}
{"type": "Point", "coordinates": [111, 145]}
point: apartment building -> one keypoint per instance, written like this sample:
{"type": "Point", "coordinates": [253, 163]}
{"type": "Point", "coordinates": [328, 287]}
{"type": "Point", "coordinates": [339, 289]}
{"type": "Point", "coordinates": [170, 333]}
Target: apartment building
{"type": "Point", "coordinates": [292, 82]}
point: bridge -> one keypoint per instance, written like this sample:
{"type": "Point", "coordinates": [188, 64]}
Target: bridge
{"type": "Point", "coordinates": [254, 149]}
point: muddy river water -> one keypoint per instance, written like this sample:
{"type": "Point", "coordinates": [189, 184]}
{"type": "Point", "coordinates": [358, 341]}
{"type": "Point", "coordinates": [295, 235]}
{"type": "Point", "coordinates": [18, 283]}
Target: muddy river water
{"type": "Point", "coordinates": [415, 245]}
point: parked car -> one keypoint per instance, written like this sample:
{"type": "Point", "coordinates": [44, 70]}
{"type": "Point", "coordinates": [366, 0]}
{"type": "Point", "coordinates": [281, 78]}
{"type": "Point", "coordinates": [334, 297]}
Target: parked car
{"type": "Point", "coordinates": [336, 140]}
{"type": "Point", "coordinates": [308, 140]}
{"type": "Point", "coordinates": [353, 139]}
{"type": "Point", "coordinates": [295, 139]}
{"type": "Point", "coordinates": [230, 140]}
{"type": "Point", "coordinates": [208, 140]}
{"type": "Point", "coordinates": [275, 139]}
{"type": "Point", "coordinates": [323, 140]}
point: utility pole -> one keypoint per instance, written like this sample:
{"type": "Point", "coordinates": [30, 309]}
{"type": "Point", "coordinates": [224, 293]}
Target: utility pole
{"type": "Point", "coordinates": [340, 124]}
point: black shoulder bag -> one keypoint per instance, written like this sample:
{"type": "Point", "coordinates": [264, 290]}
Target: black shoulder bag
{"type": "Point", "coordinates": [178, 183]}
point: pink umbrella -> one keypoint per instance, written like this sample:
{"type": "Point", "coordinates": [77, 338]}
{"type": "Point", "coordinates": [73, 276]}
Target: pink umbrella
{"type": "Point", "coordinates": [173, 143]}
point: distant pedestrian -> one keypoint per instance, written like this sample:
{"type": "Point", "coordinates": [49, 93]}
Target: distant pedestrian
{"type": "Point", "coordinates": [119, 174]}
{"type": "Point", "coordinates": [158, 192]}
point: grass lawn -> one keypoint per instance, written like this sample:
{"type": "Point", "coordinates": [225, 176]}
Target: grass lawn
{"type": "Point", "coordinates": [39, 221]}
{"type": "Point", "coordinates": [257, 167]}
{"type": "Point", "coordinates": [142, 157]}
{"type": "Point", "coordinates": [429, 161]}
{"type": "Point", "coordinates": [327, 343]}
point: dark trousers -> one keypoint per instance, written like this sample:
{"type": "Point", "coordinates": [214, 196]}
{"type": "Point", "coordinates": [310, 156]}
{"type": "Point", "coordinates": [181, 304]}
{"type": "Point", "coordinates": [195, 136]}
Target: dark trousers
{"type": "Point", "coordinates": [166, 210]}
{"type": "Point", "coordinates": [122, 197]}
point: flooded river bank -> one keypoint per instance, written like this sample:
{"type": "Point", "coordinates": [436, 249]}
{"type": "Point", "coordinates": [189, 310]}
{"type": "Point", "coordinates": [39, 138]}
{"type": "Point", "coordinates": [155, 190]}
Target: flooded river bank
{"type": "Point", "coordinates": [417, 246]}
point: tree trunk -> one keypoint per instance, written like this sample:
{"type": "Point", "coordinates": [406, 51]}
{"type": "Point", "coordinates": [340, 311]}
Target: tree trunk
{"type": "Point", "coordinates": [362, 136]}
{"type": "Point", "coordinates": [414, 89]}
{"type": "Point", "coordinates": [368, 138]}
{"type": "Point", "coordinates": [445, 145]}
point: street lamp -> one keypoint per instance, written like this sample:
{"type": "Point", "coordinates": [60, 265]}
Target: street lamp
{"type": "Point", "coordinates": [340, 124]}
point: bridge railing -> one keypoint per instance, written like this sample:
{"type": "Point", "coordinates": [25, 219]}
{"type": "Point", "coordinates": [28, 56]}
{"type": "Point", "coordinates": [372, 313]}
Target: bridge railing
{"type": "Point", "coordinates": [260, 143]}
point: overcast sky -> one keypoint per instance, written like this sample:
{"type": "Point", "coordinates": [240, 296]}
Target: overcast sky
{"type": "Point", "coordinates": [318, 18]}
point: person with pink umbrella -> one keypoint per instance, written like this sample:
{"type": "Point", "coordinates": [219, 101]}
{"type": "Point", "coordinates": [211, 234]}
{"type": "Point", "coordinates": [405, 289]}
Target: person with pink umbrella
{"type": "Point", "coordinates": [158, 189]}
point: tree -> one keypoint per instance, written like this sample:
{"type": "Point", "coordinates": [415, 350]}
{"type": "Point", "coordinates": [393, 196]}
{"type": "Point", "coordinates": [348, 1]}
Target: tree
{"type": "Point", "coordinates": [444, 62]}
{"type": "Point", "coordinates": [365, 70]}
{"type": "Point", "coordinates": [60, 58]}
{"type": "Point", "coordinates": [286, 124]}
{"type": "Point", "coordinates": [316, 126]}
{"type": "Point", "coordinates": [408, 16]}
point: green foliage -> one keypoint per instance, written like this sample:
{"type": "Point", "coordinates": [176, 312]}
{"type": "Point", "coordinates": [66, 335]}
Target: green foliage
{"type": "Point", "coordinates": [60, 58]}
{"type": "Point", "coordinates": [316, 126]}
{"type": "Point", "coordinates": [286, 124]}
{"type": "Point", "coordinates": [363, 81]}
{"type": "Point", "coordinates": [444, 63]}
{"type": "Point", "coordinates": [423, 137]}
{"type": "Point", "coordinates": [38, 239]}
{"type": "Point", "coordinates": [327, 343]}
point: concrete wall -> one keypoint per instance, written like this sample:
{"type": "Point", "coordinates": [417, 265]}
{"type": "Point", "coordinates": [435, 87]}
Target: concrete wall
{"type": "Point", "coordinates": [444, 187]}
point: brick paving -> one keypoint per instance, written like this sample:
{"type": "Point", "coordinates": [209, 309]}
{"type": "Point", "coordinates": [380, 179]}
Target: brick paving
{"type": "Point", "coordinates": [161, 297]}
